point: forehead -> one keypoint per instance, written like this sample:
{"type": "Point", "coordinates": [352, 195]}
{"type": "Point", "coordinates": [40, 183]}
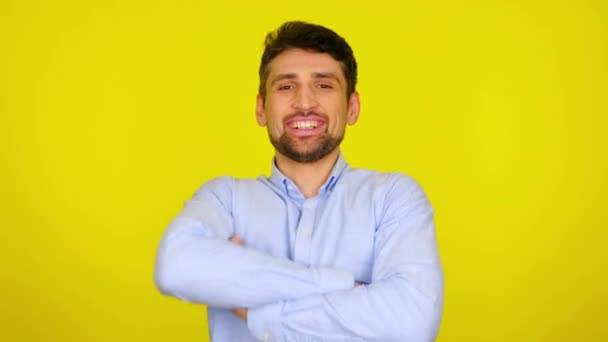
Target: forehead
{"type": "Point", "coordinates": [302, 62]}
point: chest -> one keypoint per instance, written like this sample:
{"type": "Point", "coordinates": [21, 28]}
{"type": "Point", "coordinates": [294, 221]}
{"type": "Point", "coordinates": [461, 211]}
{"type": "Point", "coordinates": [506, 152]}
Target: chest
{"type": "Point", "coordinates": [335, 231]}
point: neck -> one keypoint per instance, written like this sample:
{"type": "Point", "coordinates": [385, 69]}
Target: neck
{"type": "Point", "coordinates": [308, 177]}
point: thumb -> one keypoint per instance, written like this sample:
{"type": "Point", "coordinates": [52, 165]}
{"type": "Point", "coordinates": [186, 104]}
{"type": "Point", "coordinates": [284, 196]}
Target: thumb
{"type": "Point", "coordinates": [237, 240]}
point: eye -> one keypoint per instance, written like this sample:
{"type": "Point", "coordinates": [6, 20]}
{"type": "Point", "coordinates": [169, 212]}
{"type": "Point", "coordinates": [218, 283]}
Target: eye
{"type": "Point", "coordinates": [325, 86]}
{"type": "Point", "coordinates": [285, 87]}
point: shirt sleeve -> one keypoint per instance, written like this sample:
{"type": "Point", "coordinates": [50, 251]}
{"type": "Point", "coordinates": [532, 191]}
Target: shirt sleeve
{"type": "Point", "coordinates": [196, 262]}
{"type": "Point", "coordinates": [402, 303]}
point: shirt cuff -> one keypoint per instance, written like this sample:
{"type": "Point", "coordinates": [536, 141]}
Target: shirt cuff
{"type": "Point", "coordinates": [264, 322]}
{"type": "Point", "coordinates": [336, 280]}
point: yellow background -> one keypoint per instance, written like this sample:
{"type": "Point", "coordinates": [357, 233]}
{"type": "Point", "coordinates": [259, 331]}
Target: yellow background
{"type": "Point", "coordinates": [113, 113]}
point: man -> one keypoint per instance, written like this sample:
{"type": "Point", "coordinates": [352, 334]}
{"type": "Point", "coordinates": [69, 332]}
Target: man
{"type": "Point", "coordinates": [318, 251]}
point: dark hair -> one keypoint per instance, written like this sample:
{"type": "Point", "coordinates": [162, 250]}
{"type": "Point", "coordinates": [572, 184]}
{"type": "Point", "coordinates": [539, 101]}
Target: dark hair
{"type": "Point", "coordinates": [311, 37]}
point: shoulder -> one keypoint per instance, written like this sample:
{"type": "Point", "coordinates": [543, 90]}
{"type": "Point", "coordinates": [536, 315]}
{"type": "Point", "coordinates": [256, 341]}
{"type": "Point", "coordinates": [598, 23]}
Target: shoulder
{"type": "Point", "coordinates": [383, 181]}
{"type": "Point", "coordinates": [216, 185]}
{"type": "Point", "coordinates": [228, 185]}
{"type": "Point", "coordinates": [404, 185]}
{"type": "Point", "coordinates": [386, 188]}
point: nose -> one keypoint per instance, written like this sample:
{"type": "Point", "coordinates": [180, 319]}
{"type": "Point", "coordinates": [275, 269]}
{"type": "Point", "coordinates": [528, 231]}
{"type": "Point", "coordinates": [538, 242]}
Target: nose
{"type": "Point", "coordinates": [305, 99]}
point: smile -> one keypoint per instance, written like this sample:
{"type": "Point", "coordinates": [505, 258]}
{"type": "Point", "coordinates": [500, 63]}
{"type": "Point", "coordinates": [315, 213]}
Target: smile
{"type": "Point", "coordinates": [307, 124]}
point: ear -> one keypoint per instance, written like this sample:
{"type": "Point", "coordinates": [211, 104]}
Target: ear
{"type": "Point", "coordinates": [354, 106]}
{"type": "Point", "coordinates": [260, 114]}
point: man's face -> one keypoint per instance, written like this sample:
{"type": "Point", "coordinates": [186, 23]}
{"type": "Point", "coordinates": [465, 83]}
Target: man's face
{"type": "Point", "coordinates": [306, 108]}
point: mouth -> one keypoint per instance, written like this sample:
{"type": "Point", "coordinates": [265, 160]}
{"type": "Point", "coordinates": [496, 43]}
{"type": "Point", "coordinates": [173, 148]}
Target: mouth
{"type": "Point", "coordinates": [305, 126]}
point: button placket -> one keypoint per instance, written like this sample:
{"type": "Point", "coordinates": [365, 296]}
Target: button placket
{"type": "Point", "coordinates": [304, 233]}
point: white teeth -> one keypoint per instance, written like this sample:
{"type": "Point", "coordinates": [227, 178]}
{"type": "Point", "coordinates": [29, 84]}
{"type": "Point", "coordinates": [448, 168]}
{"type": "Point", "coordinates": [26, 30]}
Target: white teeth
{"type": "Point", "coordinates": [304, 124]}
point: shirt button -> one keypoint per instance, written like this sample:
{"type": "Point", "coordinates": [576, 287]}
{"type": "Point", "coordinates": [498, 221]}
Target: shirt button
{"type": "Point", "coordinates": [309, 204]}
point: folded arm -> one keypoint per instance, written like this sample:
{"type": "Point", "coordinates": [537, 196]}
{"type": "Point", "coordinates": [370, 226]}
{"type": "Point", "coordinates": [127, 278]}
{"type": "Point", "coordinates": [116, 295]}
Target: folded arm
{"type": "Point", "coordinates": [402, 303]}
{"type": "Point", "coordinates": [196, 261]}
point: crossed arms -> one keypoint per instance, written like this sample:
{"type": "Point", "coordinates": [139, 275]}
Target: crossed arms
{"type": "Point", "coordinates": [198, 262]}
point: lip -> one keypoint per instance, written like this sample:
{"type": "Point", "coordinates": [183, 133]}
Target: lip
{"type": "Point", "coordinates": [303, 132]}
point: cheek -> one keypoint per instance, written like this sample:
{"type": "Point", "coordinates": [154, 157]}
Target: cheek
{"type": "Point", "coordinates": [339, 119]}
{"type": "Point", "coordinates": [274, 124]}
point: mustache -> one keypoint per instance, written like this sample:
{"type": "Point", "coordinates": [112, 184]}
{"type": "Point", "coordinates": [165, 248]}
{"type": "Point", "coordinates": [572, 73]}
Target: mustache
{"type": "Point", "coordinates": [304, 114]}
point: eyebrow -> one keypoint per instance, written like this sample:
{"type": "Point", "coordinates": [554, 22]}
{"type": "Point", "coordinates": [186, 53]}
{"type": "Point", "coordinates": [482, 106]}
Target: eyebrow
{"type": "Point", "coordinates": [293, 76]}
{"type": "Point", "coordinates": [326, 75]}
{"type": "Point", "coordinates": [281, 77]}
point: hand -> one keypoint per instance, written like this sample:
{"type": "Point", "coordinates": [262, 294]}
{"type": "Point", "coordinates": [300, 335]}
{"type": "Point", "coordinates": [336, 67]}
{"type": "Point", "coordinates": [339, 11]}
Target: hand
{"type": "Point", "coordinates": [237, 240]}
{"type": "Point", "coordinates": [239, 312]}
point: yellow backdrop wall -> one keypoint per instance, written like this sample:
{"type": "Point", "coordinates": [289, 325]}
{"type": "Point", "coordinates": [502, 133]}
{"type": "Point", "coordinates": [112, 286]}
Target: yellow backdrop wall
{"type": "Point", "coordinates": [114, 112]}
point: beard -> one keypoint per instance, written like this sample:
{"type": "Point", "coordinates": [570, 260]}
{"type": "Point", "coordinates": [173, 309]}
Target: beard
{"type": "Point", "coordinates": [288, 146]}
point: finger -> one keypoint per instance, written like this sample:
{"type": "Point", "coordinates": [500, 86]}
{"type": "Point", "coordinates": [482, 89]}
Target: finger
{"type": "Point", "coordinates": [240, 313]}
{"type": "Point", "coordinates": [238, 240]}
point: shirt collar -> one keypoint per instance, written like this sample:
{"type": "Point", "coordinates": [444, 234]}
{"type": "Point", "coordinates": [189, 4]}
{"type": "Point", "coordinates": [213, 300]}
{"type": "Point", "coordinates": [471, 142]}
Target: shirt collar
{"type": "Point", "coordinates": [278, 179]}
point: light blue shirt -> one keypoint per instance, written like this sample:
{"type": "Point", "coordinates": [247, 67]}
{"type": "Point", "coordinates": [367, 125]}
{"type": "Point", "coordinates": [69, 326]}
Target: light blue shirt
{"type": "Point", "coordinates": [297, 270]}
